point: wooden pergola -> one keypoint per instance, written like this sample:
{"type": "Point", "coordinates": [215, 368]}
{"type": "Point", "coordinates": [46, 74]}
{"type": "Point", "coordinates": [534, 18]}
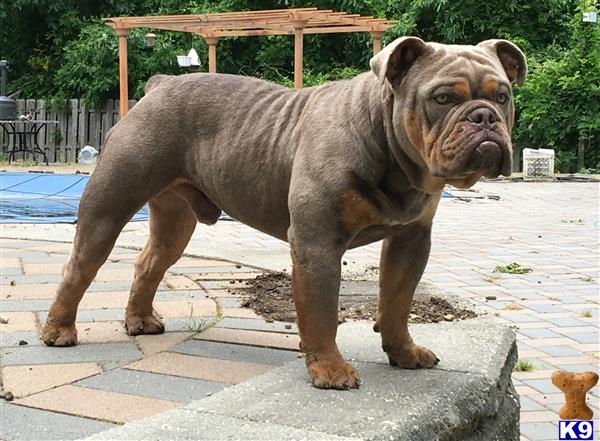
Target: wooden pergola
{"type": "Point", "coordinates": [213, 26]}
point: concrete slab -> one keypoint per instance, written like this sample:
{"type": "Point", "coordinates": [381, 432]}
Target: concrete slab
{"type": "Point", "coordinates": [483, 346]}
{"type": "Point", "coordinates": [189, 425]}
{"type": "Point", "coordinates": [470, 397]}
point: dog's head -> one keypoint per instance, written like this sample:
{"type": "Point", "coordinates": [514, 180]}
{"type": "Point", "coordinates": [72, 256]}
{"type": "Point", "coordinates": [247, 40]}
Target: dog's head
{"type": "Point", "coordinates": [452, 105]}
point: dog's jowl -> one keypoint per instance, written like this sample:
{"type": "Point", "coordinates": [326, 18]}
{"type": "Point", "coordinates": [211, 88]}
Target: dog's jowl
{"type": "Point", "coordinates": [325, 168]}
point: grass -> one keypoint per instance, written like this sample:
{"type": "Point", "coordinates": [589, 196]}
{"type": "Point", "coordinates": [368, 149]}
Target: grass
{"type": "Point", "coordinates": [512, 268]}
{"type": "Point", "coordinates": [201, 324]}
{"type": "Point", "coordinates": [586, 313]}
{"type": "Point", "coordinates": [523, 365]}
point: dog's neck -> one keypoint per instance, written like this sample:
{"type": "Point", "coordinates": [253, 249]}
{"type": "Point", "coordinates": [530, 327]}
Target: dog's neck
{"type": "Point", "coordinates": [403, 158]}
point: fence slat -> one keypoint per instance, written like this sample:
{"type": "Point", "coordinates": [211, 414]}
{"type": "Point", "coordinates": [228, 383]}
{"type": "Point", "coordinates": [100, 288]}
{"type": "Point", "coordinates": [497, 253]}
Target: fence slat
{"type": "Point", "coordinates": [82, 126]}
{"type": "Point", "coordinates": [72, 148]}
{"type": "Point", "coordinates": [63, 119]}
{"type": "Point", "coordinates": [108, 119]}
{"type": "Point", "coordinates": [46, 130]}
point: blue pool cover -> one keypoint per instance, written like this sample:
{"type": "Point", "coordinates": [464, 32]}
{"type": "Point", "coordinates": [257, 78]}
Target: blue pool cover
{"type": "Point", "coordinates": [45, 198]}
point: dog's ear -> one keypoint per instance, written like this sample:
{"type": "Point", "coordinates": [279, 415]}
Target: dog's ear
{"type": "Point", "coordinates": [511, 57]}
{"type": "Point", "coordinates": [394, 60]}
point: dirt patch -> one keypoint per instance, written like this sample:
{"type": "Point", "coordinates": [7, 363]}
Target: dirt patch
{"type": "Point", "coordinates": [270, 295]}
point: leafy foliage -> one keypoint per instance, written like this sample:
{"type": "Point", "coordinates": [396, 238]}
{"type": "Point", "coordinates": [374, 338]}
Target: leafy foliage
{"type": "Point", "coordinates": [61, 49]}
{"type": "Point", "coordinates": [560, 103]}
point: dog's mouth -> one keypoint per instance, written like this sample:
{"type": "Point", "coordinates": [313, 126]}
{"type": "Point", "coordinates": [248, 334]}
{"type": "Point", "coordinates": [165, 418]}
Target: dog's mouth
{"type": "Point", "coordinates": [491, 157]}
{"type": "Point", "coordinates": [470, 151]}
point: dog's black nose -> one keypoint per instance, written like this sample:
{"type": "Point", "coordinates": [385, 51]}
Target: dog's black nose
{"type": "Point", "coordinates": [482, 117]}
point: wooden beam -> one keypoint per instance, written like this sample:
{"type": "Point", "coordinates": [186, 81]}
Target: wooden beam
{"type": "Point", "coordinates": [337, 29]}
{"type": "Point", "coordinates": [264, 32]}
{"type": "Point", "coordinates": [258, 23]}
{"type": "Point", "coordinates": [212, 53]}
{"type": "Point", "coordinates": [298, 26]}
{"type": "Point", "coordinates": [376, 36]}
{"type": "Point", "coordinates": [123, 88]}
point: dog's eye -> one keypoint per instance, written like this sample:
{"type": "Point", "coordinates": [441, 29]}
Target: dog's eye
{"type": "Point", "coordinates": [502, 98]}
{"type": "Point", "coordinates": [442, 99]}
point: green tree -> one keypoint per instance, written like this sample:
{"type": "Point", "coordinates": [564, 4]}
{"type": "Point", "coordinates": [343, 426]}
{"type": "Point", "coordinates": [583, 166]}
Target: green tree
{"type": "Point", "coordinates": [62, 49]}
{"type": "Point", "coordinates": [559, 105]}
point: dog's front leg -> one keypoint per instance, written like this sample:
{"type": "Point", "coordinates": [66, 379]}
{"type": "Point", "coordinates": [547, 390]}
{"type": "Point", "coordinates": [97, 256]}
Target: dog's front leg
{"type": "Point", "coordinates": [316, 281]}
{"type": "Point", "coordinates": [403, 260]}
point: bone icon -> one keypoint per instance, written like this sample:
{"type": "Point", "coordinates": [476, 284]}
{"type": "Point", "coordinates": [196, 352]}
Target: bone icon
{"type": "Point", "coordinates": [575, 386]}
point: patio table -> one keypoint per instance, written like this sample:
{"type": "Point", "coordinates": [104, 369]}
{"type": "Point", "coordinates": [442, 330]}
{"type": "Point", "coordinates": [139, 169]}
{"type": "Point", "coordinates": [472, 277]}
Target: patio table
{"type": "Point", "coordinates": [24, 134]}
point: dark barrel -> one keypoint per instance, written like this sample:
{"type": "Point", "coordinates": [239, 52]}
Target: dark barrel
{"type": "Point", "coordinates": [8, 106]}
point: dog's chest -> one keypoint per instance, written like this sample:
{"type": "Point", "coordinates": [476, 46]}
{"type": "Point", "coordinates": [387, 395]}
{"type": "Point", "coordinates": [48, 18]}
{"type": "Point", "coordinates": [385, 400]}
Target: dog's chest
{"type": "Point", "coordinates": [371, 217]}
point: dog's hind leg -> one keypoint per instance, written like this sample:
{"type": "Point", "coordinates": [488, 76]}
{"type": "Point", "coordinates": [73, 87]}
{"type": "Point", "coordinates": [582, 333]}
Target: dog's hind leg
{"type": "Point", "coordinates": [99, 224]}
{"type": "Point", "coordinates": [172, 223]}
{"type": "Point", "coordinates": [115, 192]}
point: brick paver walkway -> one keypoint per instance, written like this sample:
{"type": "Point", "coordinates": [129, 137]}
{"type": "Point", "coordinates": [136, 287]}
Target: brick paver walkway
{"type": "Point", "coordinates": [111, 378]}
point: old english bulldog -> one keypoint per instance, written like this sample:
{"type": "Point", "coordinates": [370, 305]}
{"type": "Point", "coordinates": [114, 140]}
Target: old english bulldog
{"type": "Point", "coordinates": [324, 168]}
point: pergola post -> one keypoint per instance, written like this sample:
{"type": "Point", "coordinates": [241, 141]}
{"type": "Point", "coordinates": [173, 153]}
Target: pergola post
{"type": "Point", "coordinates": [376, 36]}
{"type": "Point", "coordinates": [298, 26]}
{"type": "Point", "coordinates": [123, 89]}
{"type": "Point", "coordinates": [212, 53]}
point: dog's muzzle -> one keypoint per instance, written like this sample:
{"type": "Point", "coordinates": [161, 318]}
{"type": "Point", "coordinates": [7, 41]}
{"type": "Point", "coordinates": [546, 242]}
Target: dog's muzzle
{"type": "Point", "coordinates": [478, 143]}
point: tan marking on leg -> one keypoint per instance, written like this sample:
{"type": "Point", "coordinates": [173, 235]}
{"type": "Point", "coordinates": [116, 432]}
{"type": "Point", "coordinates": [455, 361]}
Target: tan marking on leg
{"type": "Point", "coordinates": [358, 212]}
{"type": "Point", "coordinates": [94, 240]}
{"type": "Point", "coordinates": [172, 223]}
{"type": "Point", "coordinates": [317, 325]}
{"type": "Point", "coordinates": [403, 260]}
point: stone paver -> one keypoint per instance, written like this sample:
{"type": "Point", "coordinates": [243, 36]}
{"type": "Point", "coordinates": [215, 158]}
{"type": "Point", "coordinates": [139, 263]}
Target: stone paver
{"type": "Point", "coordinates": [106, 352]}
{"type": "Point", "coordinates": [210, 369]}
{"type": "Point", "coordinates": [530, 224]}
{"type": "Point", "coordinates": [97, 404]}
{"type": "Point", "coordinates": [108, 299]}
{"type": "Point", "coordinates": [235, 352]}
{"type": "Point", "coordinates": [252, 338]}
{"type": "Point", "coordinates": [19, 338]}
{"type": "Point", "coordinates": [201, 307]}
{"type": "Point", "coordinates": [148, 384]}
{"type": "Point", "coordinates": [152, 344]}
{"type": "Point", "coordinates": [18, 321]}
{"type": "Point", "coordinates": [256, 325]}
{"type": "Point", "coordinates": [29, 424]}
{"type": "Point", "coordinates": [29, 379]}
{"type": "Point", "coordinates": [102, 332]}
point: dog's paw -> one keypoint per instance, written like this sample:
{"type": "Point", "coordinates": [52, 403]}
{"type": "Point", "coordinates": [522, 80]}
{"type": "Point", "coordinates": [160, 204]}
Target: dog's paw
{"type": "Point", "coordinates": [327, 374]}
{"type": "Point", "coordinates": [59, 335]}
{"type": "Point", "coordinates": [412, 357]}
{"type": "Point", "coordinates": [150, 324]}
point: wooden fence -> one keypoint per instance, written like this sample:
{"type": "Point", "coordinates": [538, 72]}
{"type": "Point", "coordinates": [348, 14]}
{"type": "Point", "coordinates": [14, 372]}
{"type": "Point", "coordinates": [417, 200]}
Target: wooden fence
{"type": "Point", "coordinates": [77, 127]}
